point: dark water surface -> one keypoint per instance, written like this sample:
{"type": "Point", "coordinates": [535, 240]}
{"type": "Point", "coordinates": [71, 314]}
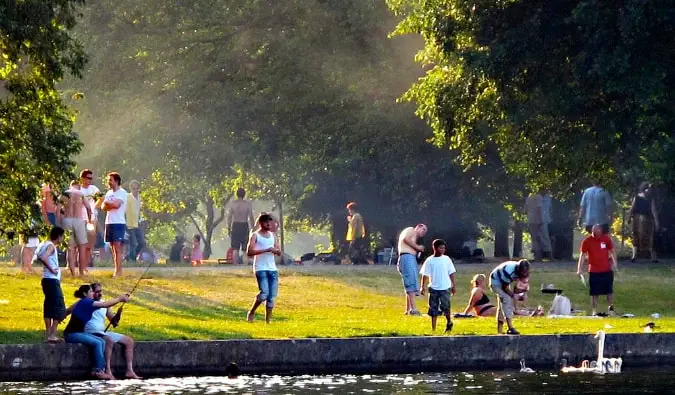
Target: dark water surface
{"type": "Point", "coordinates": [648, 381]}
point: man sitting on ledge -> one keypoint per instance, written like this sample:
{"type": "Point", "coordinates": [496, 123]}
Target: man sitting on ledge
{"type": "Point", "coordinates": [96, 326]}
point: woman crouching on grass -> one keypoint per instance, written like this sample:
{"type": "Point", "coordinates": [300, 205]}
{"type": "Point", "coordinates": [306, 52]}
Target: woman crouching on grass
{"type": "Point", "coordinates": [81, 312]}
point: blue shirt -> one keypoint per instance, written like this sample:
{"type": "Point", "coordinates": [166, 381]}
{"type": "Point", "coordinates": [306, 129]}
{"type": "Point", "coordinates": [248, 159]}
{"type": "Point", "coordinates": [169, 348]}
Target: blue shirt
{"type": "Point", "coordinates": [504, 274]}
{"type": "Point", "coordinates": [546, 206]}
{"type": "Point", "coordinates": [596, 203]}
{"type": "Point", "coordinates": [81, 314]}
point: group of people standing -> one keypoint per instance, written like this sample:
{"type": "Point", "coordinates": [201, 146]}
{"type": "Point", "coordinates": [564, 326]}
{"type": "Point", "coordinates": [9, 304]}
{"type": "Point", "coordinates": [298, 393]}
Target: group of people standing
{"type": "Point", "coordinates": [76, 210]}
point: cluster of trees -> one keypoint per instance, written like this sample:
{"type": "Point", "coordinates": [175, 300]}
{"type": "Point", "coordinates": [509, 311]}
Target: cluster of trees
{"type": "Point", "coordinates": [297, 100]}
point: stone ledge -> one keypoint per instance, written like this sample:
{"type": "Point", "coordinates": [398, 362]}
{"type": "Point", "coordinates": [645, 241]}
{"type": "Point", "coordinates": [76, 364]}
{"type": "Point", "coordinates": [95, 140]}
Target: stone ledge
{"type": "Point", "coordinates": [22, 362]}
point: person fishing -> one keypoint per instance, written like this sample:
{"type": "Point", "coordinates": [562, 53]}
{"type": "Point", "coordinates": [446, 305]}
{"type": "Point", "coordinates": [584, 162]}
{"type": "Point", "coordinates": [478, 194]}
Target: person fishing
{"type": "Point", "coordinates": [80, 313]}
{"type": "Point", "coordinates": [96, 326]}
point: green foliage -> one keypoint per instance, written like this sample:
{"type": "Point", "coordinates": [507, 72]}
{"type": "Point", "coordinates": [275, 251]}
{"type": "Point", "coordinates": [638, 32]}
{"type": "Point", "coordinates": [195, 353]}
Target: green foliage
{"type": "Point", "coordinates": [561, 93]}
{"type": "Point", "coordinates": [37, 142]}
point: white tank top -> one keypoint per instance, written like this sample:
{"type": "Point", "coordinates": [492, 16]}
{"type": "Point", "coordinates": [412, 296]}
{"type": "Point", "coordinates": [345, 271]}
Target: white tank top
{"type": "Point", "coordinates": [264, 261]}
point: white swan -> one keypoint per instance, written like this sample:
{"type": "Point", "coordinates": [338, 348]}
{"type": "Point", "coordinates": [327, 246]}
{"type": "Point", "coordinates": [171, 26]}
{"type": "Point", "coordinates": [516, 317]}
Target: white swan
{"type": "Point", "coordinates": [601, 366]}
{"type": "Point", "coordinates": [523, 368]}
{"type": "Point", "coordinates": [606, 365]}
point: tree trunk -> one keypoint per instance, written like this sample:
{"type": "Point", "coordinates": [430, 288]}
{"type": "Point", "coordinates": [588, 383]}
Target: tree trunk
{"type": "Point", "coordinates": [502, 236]}
{"type": "Point", "coordinates": [518, 239]}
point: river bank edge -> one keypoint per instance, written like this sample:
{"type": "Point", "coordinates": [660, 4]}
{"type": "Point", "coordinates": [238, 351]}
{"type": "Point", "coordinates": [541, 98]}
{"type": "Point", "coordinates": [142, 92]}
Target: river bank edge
{"type": "Point", "coordinates": [45, 362]}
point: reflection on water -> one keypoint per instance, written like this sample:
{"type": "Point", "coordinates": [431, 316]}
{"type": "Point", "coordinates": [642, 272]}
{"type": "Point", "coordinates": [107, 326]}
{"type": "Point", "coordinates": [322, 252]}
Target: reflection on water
{"type": "Point", "coordinates": [660, 381]}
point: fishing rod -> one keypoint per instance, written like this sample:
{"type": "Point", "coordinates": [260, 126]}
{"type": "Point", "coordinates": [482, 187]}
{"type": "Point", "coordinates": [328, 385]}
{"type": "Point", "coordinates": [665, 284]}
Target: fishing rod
{"type": "Point", "coordinates": [116, 319]}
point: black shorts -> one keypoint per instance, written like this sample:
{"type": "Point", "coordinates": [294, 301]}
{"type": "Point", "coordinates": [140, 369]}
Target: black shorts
{"type": "Point", "coordinates": [605, 229]}
{"type": "Point", "coordinates": [54, 306]}
{"type": "Point", "coordinates": [439, 302]}
{"type": "Point", "coordinates": [601, 283]}
{"type": "Point", "coordinates": [239, 235]}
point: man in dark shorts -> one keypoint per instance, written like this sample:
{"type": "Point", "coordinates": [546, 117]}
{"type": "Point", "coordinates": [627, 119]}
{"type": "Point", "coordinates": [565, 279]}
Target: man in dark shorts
{"type": "Point", "coordinates": [239, 223]}
{"type": "Point", "coordinates": [598, 249]}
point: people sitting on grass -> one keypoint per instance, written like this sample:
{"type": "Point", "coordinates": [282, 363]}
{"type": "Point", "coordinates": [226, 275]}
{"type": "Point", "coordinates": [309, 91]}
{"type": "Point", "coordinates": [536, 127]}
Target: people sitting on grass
{"type": "Point", "coordinates": [501, 279]}
{"type": "Point", "coordinates": [80, 313]}
{"type": "Point", "coordinates": [54, 305]}
{"type": "Point", "coordinates": [97, 326]}
{"type": "Point", "coordinates": [438, 272]}
{"type": "Point", "coordinates": [479, 301]}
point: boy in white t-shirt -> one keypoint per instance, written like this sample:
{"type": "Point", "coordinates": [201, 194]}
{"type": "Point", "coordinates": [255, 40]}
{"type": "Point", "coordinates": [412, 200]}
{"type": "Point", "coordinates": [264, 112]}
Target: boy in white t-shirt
{"type": "Point", "coordinates": [439, 272]}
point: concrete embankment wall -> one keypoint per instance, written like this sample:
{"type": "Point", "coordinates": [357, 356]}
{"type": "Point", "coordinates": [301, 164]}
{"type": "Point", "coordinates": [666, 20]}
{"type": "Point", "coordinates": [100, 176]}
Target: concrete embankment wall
{"type": "Point", "coordinates": [327, 356]}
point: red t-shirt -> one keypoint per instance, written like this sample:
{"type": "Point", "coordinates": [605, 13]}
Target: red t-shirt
{"type": "Point", "coordinates": [598, 249]}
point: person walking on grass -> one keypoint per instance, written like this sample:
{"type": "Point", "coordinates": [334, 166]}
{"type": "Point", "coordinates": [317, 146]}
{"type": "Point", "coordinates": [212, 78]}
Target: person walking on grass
{"type": "Point", "coordinates": [408, 248]}
{"type": "Point", "coordinates": [263, 246]}
{"type": "Point", "coordinates": [196, 256]}
{"type": "Point", "coordinates": [501, 279]}
{"type": "Point", "coordinates": [114, 203]}
{"type": "Point", "coordinates": [97, 327]}
{"type": "Point", "coordinates": [598, 249]}
{"type": "Point", "coordinates": [438, 272]}
{"type": "Point", "coordinates": [54, 306]}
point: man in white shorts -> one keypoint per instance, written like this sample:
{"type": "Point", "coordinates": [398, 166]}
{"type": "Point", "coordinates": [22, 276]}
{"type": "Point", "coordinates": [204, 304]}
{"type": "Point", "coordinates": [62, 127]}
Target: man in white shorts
{"type": "Point", "coordinates": [91, 193]}
{"type": "Point", "coordinates": [96, 326]}
{"type": "Point", "coordinates": [73, 205]}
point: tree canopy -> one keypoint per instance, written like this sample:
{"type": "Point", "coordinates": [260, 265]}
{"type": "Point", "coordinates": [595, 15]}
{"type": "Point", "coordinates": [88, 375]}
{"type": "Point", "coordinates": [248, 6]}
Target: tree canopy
{"type": "Point", "coordinates": [560, 92]}
{"type": "Point", "coordinates": [37, 142]}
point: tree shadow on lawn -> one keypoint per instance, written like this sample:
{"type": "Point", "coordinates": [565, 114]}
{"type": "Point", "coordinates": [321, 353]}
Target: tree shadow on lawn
{"type": "Point", "coordinates": [167, 301]}
{"type": "Point", "coordinates": [196, 332]}
{"type": "Point", "coordinates": [13, 336]}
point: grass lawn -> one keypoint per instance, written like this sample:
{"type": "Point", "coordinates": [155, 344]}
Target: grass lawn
{"type": "Point", "coordinates": [324, 301]}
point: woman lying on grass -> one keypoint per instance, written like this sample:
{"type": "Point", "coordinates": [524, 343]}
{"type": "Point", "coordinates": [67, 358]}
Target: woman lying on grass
{"type": "Point", "coordinates": [82, 311]}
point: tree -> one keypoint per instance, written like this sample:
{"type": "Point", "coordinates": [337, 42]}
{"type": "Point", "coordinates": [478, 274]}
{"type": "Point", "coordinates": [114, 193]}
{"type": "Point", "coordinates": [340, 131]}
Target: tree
{"type": "Point", "coordinates": [564, 92]}
{"type": "Point", "coordinates": [37, 142]}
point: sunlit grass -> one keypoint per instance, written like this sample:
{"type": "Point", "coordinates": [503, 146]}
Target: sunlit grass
{"type": "Point", "coordinates": [180, 303]}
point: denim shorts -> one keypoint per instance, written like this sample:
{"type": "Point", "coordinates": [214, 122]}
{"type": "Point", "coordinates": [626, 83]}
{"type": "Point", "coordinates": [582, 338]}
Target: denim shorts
{"type": "Point", "coordinates": [115, 233]}
{"type": "Point", "coordinates": [268, 284]}
{"type": "Point", "coordinates": [407, 266]}
{"type": "Point", "coordinates": [439, 302]}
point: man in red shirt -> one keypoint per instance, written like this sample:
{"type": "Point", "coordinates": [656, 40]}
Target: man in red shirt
{"type": "Point", "coordinates": [598, 249]}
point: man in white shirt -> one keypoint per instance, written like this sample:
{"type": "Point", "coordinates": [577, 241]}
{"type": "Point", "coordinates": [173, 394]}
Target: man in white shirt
{"type": "Point", "coordinates": [91, 194]}
{"type": "Point", "coordinates": [114, 203]}
{"type": "Point", "coordinates": [439, 272]}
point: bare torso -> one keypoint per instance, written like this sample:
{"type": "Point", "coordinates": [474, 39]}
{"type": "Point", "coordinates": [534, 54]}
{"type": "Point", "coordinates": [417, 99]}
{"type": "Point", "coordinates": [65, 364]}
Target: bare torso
{"type": "Point", "coordinates": [241, 210]}
{"type": "Point", "coordinates": [74, 205]}
{"type": "Point", "coordinates": [403, 247]}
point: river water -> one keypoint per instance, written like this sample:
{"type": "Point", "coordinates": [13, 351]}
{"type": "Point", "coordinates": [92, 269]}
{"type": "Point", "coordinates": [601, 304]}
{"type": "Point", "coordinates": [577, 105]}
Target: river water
{"type": "Point", "coordinates": [653, 381]}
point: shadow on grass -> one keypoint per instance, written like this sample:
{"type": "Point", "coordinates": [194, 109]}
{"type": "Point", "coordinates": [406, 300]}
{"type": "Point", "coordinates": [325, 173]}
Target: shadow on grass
{"type": "Point", "coordinates": [192, 333]}
{"type": "Point", "coordinates": [169, 302]}
{"type": "Point", "coordinates": [21, 336]}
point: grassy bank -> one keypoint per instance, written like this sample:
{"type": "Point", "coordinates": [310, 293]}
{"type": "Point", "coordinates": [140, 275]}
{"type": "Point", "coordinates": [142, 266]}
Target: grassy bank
{"type": "Point", "coordinates": [340, 301]}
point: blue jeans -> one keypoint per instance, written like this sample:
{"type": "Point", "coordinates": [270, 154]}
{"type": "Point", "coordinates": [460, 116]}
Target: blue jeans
{"type": "Point", "coordinates": [97, 345]}
{"type": "Point", "coordinates": [136, 243]}
{"type": "Point", "coordinates": [268, 284]}
{"type": "Point", "coordinates": [407, 266]}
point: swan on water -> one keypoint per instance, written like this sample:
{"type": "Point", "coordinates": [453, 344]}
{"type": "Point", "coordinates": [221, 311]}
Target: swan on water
{"type": "Point", "coordinates": [601, 366]}
{"type": "Point", "coordinates": [523, 368]}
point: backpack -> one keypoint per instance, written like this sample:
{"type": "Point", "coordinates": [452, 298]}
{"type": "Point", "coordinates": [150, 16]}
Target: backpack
{"type": "Point", "coordinates": [561, 306]}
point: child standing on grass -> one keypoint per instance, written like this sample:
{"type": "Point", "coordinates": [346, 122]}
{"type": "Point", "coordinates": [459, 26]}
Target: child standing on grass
{"type": "Point", "coordinates": [196, 251]}
{"type": "Point", "coordinates": [439, 272]}
{"type": "Point", "coordinates": [54, 305]}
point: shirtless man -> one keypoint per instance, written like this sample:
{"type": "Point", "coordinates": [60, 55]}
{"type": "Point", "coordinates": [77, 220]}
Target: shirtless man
{"type": "Point", "coordinates": [408, 248]}
{"type": "Point", "coordinates": [73, 205]}
{"type": "Point", "coordinates": [240, 221]}
{"type": "Point", "coordinates": [48, 205]}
